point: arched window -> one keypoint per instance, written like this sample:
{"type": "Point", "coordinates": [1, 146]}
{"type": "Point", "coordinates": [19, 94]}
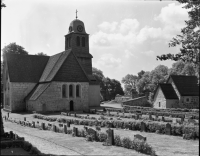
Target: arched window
{"type": "Point", "coordinates": [78, 41]}
{"type": "Point", "coordinates": [83, 41]}
{"type": "Point", "coordinates": [70, 91]}
{"type": "Point", "coordinates": [78, 89]}
{"type": "Point", "coordinates": [67, 43]}
{"type": "Point", "coordinates": [64, 91]}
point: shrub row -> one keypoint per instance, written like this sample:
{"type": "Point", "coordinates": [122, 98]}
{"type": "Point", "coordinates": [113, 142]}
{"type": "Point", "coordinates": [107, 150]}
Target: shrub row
{"type": "Point", "coordinates": [139, 146]}
{"type": "Point", "coordinates": [156, 112]}
{"type": "Point", "coordinates": [151, 126]}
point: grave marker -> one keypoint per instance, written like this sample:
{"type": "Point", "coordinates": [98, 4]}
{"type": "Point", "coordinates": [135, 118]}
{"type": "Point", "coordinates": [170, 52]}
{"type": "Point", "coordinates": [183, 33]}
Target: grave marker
{"type": "Point", "coordinates": [8, 115]}
{"type": "Point", "coordinates": [143, 127]}
{"type": "Point", "coordinates": [150, 117]}
{"type": "Point", "coordinates": [33, 124]}
{"type": "Point", "coordinates": [140, 137]}
{"type": "Point", "coordinates": [163, 118]}
{"type": "Point", "coordinates": [68, 124]}
{"type": "Point", "coordinates": [61, 125]}
{"type": "Point", "coordinates": [43, 126]}
{"type": "Point", "coordinates": [65, 129]}
{"type": "Point", "coordinates": [110, 134]}
{"type": "Point", "coordinates": [54, 128]}
{"type": "Point", "coordinates": [75, 130]}
{"type": "Point", "coordinates": [24, 118]}
{"type": "Point", "coordinates": [168, 129]}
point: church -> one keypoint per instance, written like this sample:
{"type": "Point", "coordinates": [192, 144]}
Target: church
{"type": "Point", "coordinates": [62, 82]}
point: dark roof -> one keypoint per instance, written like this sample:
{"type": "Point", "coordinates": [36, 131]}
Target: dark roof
{"type": "Point", "coordinates": [186, 85]}
{"type": "Point", "coordinates": [168, 91]}
{"type": "Point", "coordinates": [25, 68]}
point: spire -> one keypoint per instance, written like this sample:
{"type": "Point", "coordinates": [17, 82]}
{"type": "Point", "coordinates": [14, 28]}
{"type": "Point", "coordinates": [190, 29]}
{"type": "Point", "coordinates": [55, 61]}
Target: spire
{"type": "Point", "coordinates": [76, 14]}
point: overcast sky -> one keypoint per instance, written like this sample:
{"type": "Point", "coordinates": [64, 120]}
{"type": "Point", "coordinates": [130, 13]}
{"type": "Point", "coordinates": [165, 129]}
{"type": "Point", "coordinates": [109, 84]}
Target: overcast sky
{"type": "Point", "coordinates": [125, 35]}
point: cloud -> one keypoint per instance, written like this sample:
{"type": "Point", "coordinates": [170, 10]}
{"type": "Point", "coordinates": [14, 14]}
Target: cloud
{"type": "Point", "coordinates": [108, 60]}
{"type": "Point", "coordinates": [149, 53]}
{"type": "Point", "coordinates": [129, 54]}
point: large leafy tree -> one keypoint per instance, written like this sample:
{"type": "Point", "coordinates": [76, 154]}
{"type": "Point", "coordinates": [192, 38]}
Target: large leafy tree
{"type": "Point", "coordinates": [13, 48]}
{"type": "Point", "coordinates": [189, 38]}
{"type": "Point", "coordinates": [130, 82]}
{"type": "Point", "coordinates": [41, 54]}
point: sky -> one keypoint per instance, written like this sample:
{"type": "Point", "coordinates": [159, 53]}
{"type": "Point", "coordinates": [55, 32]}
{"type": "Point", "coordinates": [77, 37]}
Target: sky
{"type": "Point", "coordinates": [125, 35]}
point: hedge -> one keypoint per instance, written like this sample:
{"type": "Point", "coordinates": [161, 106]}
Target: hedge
{"type": "Point", "coordinates": [151, 126]}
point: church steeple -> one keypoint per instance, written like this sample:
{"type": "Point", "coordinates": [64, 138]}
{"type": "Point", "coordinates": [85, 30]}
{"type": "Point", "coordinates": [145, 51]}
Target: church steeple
{"type": "Point", "coordinates": [78, 40]}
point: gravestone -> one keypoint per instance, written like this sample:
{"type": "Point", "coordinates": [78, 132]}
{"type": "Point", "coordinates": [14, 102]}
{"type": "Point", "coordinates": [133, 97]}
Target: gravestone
{"type": "Point", "coordinates": [68, 124]}
{"type": "Point", "coordinates": [65, 129]}
{"type": "Point", "coordinates": [150, 117]}
{"type": "Point", "coordinates": [43, 126]}
{"type": "Point", "coordinates": [75, 130]}
{"type": "Point", "coordinates": [86, 128]}
{"type": "Point", "coordinates": [163, 118]}
{"type": "Point", "coordinates": [8, 115]}
{"type": "Point", "coordinates": [37, 122]}
{"type": "Point", "coordinates": [182, 119]}
{"type": "Point", "coordinates": [168, 129]}
{"type": "Point", "coordinates": [143, 127]}
{"type": "Point", "coordinates": [110, 134]}
{"type": "Point", "coordinates": [140, 137]}
{"type": "Point", "coordinates": [129, 126]}
{"type": "Point", "coordinates": [11, 134]}
{"type": "Point", "coordinates": [92, 132]}
{"type": "Point", "coordinates": [187, 116]}
{"type": "Point", "coordinates": [24, 118]}
{"type": "Point", "coordinates": [33, 124]}
{"type": "Point", "coordinates": [174, 120]}
{"type": "Point", "coordinates": [108, 112]}
{"type": "Point", "coordinates": [54, 128]}
{"type": "Point", "coordinates": [69, 114]}
{"type": "Point", "coordinates": [74, 114]}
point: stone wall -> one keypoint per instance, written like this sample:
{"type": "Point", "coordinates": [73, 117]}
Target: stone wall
{"type": "Point", "coordinates": [141, 101]}
{"type": "Point", "coordinates": [18, 92]}
{"type": "Point", "coordinates": [193, 102]}
{"type": "Point", "coordinates": [51, 99]}
{"type": "Point", "coordinates": [120, 99]}
{"type": "Point", "coordinates": [94, 95]}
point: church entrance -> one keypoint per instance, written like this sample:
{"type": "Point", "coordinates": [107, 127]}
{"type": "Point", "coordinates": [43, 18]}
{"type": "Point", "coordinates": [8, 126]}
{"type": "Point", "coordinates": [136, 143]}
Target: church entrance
{"type": "Point", "coordinates": [71, 105]}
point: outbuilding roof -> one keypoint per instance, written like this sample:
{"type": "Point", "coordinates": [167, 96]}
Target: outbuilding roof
{"type": "Point", "coordinates": [168, 91]}
{"type": "Point", "coordinates": [186, 85]}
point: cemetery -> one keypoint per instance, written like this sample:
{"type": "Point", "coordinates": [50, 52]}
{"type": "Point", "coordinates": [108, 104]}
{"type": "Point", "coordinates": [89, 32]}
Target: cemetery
{"type": "Point", "coordinates": [132, 132]}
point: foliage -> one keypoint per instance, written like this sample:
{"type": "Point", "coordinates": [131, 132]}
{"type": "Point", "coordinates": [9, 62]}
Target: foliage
{"type": "Point", "coordinates": [130, 81]}
{"type": "Point", "coordinates": [189, 39]}
{"type": "Point", "coordinates": [13, 48]}
{"type": "Point", "coordinates": [41, 54]}
{"type": "Point", "coordinates": [2, 4]}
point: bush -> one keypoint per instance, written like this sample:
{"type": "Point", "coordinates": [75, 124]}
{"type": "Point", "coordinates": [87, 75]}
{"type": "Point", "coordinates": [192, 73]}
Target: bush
{"type": "Point", "coordinates": [102, 137]}
{"type": "Point", "coordinates": [117, 140]}
{"type": "Point", "coordinates": [126, 142]}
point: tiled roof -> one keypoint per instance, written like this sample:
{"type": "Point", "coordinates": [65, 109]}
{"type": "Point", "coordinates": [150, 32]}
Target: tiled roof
{"type": "Point", "coordinates": [39, 90]}
{"type": "Point", "coordinates": [25, 68]}
{"type": "Point", "coordinates": [168, 91]}
{"type": "Point", "coordinates": [186, 85]}
{"type": "Point", "coordinates": [50, 65]}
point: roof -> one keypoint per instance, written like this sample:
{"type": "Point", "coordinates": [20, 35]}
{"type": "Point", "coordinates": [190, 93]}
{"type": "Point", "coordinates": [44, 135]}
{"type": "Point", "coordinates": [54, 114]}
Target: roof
{"type": "Point", "coordinates": [168, 91]}
{"type": "Point", "coordinates": [186, 85]}
{"type": "Point", "coordinates": [38, 91]}
{"type": "Point", "coordinates": [30, 66]}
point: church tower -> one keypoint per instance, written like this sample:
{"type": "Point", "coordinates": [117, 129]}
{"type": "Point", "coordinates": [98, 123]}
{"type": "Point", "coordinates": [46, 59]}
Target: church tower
{"type": "Point", "coordinates": [78, 41]}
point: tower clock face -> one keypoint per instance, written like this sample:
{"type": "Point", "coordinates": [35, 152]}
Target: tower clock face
{"type": "Point", "coordinates": [70, 28]}
{"type": "Point", "coordinates": [80, 28]}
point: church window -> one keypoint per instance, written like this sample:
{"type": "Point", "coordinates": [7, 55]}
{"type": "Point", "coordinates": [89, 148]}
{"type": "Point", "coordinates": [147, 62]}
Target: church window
{"type": "Point", "coordinates": [64, 91]}
{"type": "Point", "coordinates": [83, 41]}
{"type": "Point", "coordinates": [78, 41]}
{"type": "Point", "coordinates": [67, 43]}
{"type": "Point", "coordinates": [70, 91]}
{"type": "Point", "coordinates": [78, 89]}
{"type": "Point", "coordinates": [159, 104]}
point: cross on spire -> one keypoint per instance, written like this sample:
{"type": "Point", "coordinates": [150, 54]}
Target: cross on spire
{"type": "Point", "coordinates": [76, 14]}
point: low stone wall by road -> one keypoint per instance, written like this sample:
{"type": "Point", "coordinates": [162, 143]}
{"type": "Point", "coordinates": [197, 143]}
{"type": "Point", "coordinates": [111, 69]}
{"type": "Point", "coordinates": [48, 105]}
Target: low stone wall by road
{"type": "Point", "coordinates": [141, 101]}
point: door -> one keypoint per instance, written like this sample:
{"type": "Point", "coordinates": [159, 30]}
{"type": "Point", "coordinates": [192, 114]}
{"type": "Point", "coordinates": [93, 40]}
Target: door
{"type": "Point", "coordinates": [71, 106]}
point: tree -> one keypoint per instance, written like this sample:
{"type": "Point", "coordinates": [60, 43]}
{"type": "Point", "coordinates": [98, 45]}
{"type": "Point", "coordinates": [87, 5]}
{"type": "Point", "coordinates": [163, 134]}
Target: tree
{"type": "Point", "coordinates": [140, 74]}
{"type": "Point", "coordinates": [182, 68]}
{"type": "Point", "coordinates": [143, 83]}
{"type": "Point", "coordinates": [13, 48]}
{"type": "Point", "coordinates": [130, 80]}
{"type": "Point", "coordinates": [41, 54]}
{"type": "Point", "coordinates": [2, 4]}
{"type": "Point", "coordinates": [98, 74]}
{"type": "Point", "coordinates": [190, 37]}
